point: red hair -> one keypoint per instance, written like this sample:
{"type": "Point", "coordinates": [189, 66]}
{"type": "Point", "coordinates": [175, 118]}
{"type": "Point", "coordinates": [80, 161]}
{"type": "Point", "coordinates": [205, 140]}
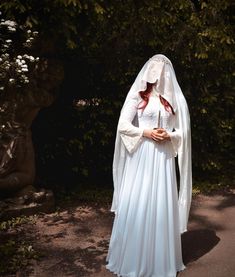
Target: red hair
{"type": "Point", "coordinates": [145, 94]}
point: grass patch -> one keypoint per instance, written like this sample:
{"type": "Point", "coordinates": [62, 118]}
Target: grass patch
{"type": "Point", "coordinates": [16, 252]}
{"type": "Point", "coordinates": [92, 194]}
{"type": "Point", "coordinates": [15, 255]}
{"type": "Point", "coordinates": [210, 188]}
{"type": "Point", "coordinates": [86, 194]}
{"type": "Point", "coordinates": [16, 222]}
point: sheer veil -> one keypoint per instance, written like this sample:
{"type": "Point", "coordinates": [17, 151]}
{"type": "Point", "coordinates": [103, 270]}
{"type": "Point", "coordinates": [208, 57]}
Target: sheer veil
{"type": "Point", "coordinates": [159, 71]}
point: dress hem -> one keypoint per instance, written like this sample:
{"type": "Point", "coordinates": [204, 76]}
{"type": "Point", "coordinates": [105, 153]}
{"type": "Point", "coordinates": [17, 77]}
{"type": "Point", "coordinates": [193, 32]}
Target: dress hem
{"type": "Point", "coordinates": [107, 266]}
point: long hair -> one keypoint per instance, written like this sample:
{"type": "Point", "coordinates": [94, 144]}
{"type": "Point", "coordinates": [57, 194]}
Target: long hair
{"type": "Point", "coordinates": [145, 94]}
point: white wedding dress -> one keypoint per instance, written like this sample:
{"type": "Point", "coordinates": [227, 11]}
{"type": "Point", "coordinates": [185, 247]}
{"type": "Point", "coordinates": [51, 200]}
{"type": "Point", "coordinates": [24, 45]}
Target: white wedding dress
{"type": "Point", "coordinates": [146, 239]}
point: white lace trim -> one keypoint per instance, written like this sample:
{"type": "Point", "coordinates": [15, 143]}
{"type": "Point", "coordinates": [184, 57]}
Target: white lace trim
{"type": "Point", "coordinates": [160, 59]}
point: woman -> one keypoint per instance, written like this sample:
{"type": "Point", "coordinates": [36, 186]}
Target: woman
{"type": "Point", "coordinates": [153, 128]}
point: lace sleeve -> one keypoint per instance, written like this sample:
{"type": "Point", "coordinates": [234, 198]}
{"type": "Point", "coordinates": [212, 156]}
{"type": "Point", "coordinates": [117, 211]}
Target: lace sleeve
{"type": "Point", "coordinates": [131, 135]}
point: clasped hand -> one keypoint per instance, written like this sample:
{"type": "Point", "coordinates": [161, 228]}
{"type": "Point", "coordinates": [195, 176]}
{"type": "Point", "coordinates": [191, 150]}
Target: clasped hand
{"type": "Point", "coordinates": [158, 135]}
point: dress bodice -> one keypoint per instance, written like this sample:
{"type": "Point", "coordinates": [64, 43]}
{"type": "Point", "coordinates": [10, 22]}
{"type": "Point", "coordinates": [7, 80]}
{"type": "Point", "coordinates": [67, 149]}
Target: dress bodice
{"type": "Point", "coordinates": [155, 116]}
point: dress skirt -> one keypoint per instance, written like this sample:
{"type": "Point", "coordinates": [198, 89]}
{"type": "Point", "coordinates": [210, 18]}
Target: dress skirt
{"type": "Point", "coordinates": [146, 239]}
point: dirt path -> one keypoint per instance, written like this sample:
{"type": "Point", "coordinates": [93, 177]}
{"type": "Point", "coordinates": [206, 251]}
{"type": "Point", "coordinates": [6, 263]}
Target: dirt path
{"type": "Point", "coordinates": [209, 246]}
{"type": "Point", "coordinates": [74, 242]}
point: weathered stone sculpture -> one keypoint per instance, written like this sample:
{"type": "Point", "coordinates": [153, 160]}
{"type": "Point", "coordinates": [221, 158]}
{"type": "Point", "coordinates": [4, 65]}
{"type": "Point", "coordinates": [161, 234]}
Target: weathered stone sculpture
{"type": "Point", "coordinates": [27, 84]}
{"type": "Point", "coordinates": [17, 161]}
{"type": "Point", "coordinates": [17, 166]}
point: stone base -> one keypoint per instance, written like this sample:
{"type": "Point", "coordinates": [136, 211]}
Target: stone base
{"type": "Point", "coordinates": [27, 203]}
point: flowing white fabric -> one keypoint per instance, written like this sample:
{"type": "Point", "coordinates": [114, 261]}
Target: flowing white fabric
{"type": "Point", "coordinates": [158, 69]}
{"type": "Point", "coordinates": [149, 216]}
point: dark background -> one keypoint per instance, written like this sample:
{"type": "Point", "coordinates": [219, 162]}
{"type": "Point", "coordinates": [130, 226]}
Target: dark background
{"type": "Point", "coordinates": [101, 46]}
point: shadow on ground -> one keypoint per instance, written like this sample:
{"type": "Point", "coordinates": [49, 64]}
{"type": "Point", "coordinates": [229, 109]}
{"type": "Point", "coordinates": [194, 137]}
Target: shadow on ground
{"type": "Point", "coordinates": [197, 243]}
{"type": "Point", "coordinates": [74, 241]}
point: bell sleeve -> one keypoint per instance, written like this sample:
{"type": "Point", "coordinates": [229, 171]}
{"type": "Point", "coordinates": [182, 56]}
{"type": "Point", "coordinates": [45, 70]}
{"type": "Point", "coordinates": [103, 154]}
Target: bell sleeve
{"type": "Point", "coordinates": [128, 137]}
{"type": "Point", "coordinates": [175, 135]}
{"type": "Point", "coordinates": [131, 135]}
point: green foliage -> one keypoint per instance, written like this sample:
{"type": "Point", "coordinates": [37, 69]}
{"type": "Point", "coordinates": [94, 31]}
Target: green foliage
{"type": "Point", "coordinates": [15, 222]}
{"type": "Point", "coordinates": [15, 255]}
{"type": "Point", "coordinates": [58, 21]}
{"type": "Point", "coordinates": [207, 187]}
{"type": "Point", "coordinates": [25, 80]}
{"type": "Point", "coordinates": [102, 45]}
{"type": "Point", "coordinates": [78, 146]}
{"type": "Point", "coordinates": [199, 41]}
{"type": "Point", "coordinates": [13, 66]}
{"type": "Point", "coordinates": [86, 194]}
{"type": "Point", "coordinates": [15, 252]}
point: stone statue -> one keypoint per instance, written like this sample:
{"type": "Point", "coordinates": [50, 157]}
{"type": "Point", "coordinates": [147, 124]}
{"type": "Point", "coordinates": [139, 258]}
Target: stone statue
{"type": "Point", "coordinates": [17, 165]}
{"type": "Point", "coordinates": [17, 159]}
